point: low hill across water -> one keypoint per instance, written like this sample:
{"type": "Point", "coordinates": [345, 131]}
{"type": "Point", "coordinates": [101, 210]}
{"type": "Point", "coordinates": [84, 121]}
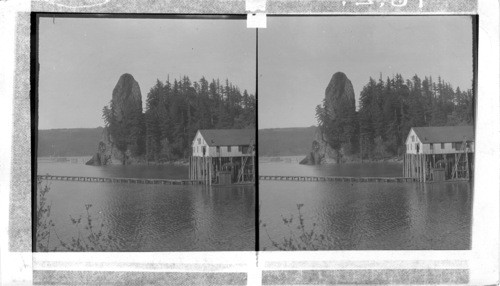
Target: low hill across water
{"type": "Point", "coordinates": [82, 141]}
{"type": "Point", "coordinates": [68, 142]}
{"type": "Point", "coordinates": [285, 141]}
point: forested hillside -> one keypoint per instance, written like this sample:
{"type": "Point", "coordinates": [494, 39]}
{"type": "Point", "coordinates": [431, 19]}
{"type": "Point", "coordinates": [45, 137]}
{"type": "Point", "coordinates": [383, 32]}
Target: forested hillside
{"type": "Point", "coordinates": [173, 114]}
{"type": "Point", "coordinates": [285, 141]}
{"type": "Point", "coordinates": [387, 111]}
{"type": "Point", "coordinates": [68, 142]}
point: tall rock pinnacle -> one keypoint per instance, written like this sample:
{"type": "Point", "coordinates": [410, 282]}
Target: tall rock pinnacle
{"type": "Point", "coordinates": [339, 103]}
{"type": "Point", "coordinates": [126, 96]}
{"type": "Point", "coordinates": [339, 94]}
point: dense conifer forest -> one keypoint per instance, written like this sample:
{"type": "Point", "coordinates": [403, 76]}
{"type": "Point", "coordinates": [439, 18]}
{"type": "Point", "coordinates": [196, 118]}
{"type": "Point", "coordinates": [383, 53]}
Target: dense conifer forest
{"type": "Point", "coordinates": [174, 112]}
{"type": "Point", "coordinates": [388, 109]}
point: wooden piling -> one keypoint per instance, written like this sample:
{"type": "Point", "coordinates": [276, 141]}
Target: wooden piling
{"type": "Point", "coordinates": [411, 167]}
{"type": "Point", "coordinates": [424, 165]}
{"type": "Point", "coordinates": [467, 175]}
{"type": "Point", "coordinates": [404, 165]}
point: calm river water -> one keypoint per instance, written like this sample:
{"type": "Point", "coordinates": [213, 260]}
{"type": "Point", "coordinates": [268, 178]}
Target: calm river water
{"type": "Point", "coordinates": [153, 217]}
{"type": "Point", "coordinates": [364, 216]}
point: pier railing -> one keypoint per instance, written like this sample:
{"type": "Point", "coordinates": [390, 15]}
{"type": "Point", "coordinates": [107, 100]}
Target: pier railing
{"type": "Point", "coordinates": [337, 179]}
{"type": "Point", "coordinates": [120, 180]}
{"type": "Point", "coordinates": [201, 182]}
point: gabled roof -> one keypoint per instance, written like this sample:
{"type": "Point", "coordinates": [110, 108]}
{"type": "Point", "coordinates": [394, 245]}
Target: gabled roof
{"type": "Point", "coordinates": [444, 134]}
{"type": "Point", "coordinates": [228, 137]}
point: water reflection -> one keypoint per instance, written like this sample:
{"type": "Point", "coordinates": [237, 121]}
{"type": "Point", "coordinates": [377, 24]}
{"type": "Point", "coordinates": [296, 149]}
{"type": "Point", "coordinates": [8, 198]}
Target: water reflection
{"type": "Point", "coordinates": [158, 217]}
{"type": "Point", "coordinates": [389, 169]}
{"type": "Point", "coordinates": [372, 216]}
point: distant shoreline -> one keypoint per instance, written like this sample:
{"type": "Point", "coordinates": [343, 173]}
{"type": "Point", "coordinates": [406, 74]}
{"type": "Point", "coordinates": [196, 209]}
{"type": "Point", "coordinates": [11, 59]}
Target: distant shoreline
{"type": "Point", "coordinates": [84, 159]}
{"type": "Point", "coordinates": [298, 158]}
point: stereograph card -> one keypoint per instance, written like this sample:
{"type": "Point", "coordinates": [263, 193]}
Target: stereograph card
{"type": "Point", "coordinates": [249, 142]}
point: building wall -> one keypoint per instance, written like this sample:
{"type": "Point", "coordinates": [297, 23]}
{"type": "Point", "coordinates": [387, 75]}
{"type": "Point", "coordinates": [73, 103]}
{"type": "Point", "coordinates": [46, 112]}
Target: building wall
{"type": "Point", "coordinates": [437, 148]}
{"type": "Point", "coordinates": [198, 144]}
{"type": "Point", "coordinates": [211, 151]}
{"type": "Point", "coordinates": [411, 143]}
{"type": "Point", "coordinates": [224, 151]}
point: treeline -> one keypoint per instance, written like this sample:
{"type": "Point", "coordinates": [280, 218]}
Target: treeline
{"type": "Point", "coordinates": [387, 111]}
{"type": "Point", "coordinates": [175, 111]}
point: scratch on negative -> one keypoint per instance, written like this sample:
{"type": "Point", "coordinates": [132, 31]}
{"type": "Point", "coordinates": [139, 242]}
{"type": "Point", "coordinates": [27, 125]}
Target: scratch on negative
{"type": "Point", "coordinates": [53, 2]}
{"type": "Point", "coordinates": [257, 258]}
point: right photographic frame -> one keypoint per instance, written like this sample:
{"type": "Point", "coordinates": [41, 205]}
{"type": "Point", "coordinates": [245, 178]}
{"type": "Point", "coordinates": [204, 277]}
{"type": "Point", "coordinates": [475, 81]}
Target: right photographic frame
{"type": "Point", "coordinates": [366, 135]}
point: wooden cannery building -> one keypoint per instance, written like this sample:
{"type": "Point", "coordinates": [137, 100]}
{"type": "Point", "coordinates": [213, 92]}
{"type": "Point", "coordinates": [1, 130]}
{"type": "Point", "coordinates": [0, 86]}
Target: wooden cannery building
{"type": "Point", "coordinates": [223, 156]}
{"type": "Point", "coordinates": [439, 153]}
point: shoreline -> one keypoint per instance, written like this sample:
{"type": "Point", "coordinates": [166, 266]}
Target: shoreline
{"type": "Point", "coordinates": [185, 162]}
{"type": "Point", "coordinates": [298, 158]}
{"type": "Point", "coordinates": [80, 159]}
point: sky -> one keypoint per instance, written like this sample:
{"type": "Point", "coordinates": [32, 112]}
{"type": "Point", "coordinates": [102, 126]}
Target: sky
{"type": "Point", "coordinates": [81, 60]}
{"type": "Point", "coordinates": [299, 55]}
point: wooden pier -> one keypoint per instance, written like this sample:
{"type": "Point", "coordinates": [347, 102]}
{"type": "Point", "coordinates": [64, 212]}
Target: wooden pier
{"type": "Point", "coordinates": [439, 154]}
{"type": "Point", "coordinates": [338, 179]}
{"type": "Point", "coordinates": [223, 170]}
{"type": "Point", "coordinates": [120, 180]}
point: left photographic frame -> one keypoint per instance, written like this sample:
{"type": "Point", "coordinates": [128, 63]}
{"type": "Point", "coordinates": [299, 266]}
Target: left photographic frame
{"type": "Point", "coordinates": [145, 133]}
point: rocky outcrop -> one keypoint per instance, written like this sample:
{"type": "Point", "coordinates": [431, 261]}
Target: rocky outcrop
{"type": "Point", "coordinates": [101, 158]}
{"type": "Point", "coordinates": [339, 95]}
{"type": "Point", "coordinates": [339, 101]}
{"type": "Point", "coordinates": [126, 97]}
{"type": "Point", "coordinates": [122, 139]}
{"type": "Point", "coordinates": [321, 152]}
{"type": "Point", "coordinates": [314, 157]}
{"type": "Point", "coordinates": [106, 153]}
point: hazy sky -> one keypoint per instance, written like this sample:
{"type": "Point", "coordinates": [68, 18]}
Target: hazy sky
{"type": "Point", "coordinates": [299, 55]}
{"type": "Point", "coordinates": [81, 60]}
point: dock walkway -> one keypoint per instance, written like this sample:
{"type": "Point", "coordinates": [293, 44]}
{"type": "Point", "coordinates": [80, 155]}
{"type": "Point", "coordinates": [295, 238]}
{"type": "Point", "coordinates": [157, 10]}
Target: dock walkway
{"type": "Point", "coordinates": [338, 179]}
{"type": "Point", "coordinates": [120, 180]}
{"type": "Point", "coordinates": [201, 182]}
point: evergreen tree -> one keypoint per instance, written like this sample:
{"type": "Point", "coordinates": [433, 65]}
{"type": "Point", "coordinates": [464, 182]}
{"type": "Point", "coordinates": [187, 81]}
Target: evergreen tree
{"type": "Point", "coordinates": [387, 111]}
{"type": "Point", "coordinates": [175, 111]}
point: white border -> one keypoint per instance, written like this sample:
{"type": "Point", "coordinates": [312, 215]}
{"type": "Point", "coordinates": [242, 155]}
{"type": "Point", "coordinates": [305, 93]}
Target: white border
{"type": "Point", "coordinates": [15, 268]}
{"type": "Point", "coordinates": [482, 260]}
{"type": "Point", "coordinates": [485, 220]}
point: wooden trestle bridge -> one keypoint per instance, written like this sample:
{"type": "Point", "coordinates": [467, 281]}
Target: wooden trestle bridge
{"type": "Point", "coordinates": [201, 182]}
{"type": "Point", "coordinates": [338, 179]}
{"type": "Point", "coordinates": [120, 180]}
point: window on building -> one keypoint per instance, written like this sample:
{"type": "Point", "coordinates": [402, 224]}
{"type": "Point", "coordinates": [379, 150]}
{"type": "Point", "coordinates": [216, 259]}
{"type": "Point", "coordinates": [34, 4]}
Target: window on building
{"type": "Point", "coordinates": [244, 149]}
{"type": "Point", "coordinates": [199, 140]}
{"type": "Point", "coordinates": [413, 138]}
{"type": "Point", "coordinates": [457, 145]}
{"type": "Point", "coordinates": [204, 150]}
{"type": "Point", "coordinates": [217, 149]}
{"type": "Point", "coordinates": [228, 148]}
{"type": "Point", "coordinates": [442, 145]}
{"type": "Point", "coordinates": [431, 146]}
{"type": "Point", "coordinates": [239, 148]}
